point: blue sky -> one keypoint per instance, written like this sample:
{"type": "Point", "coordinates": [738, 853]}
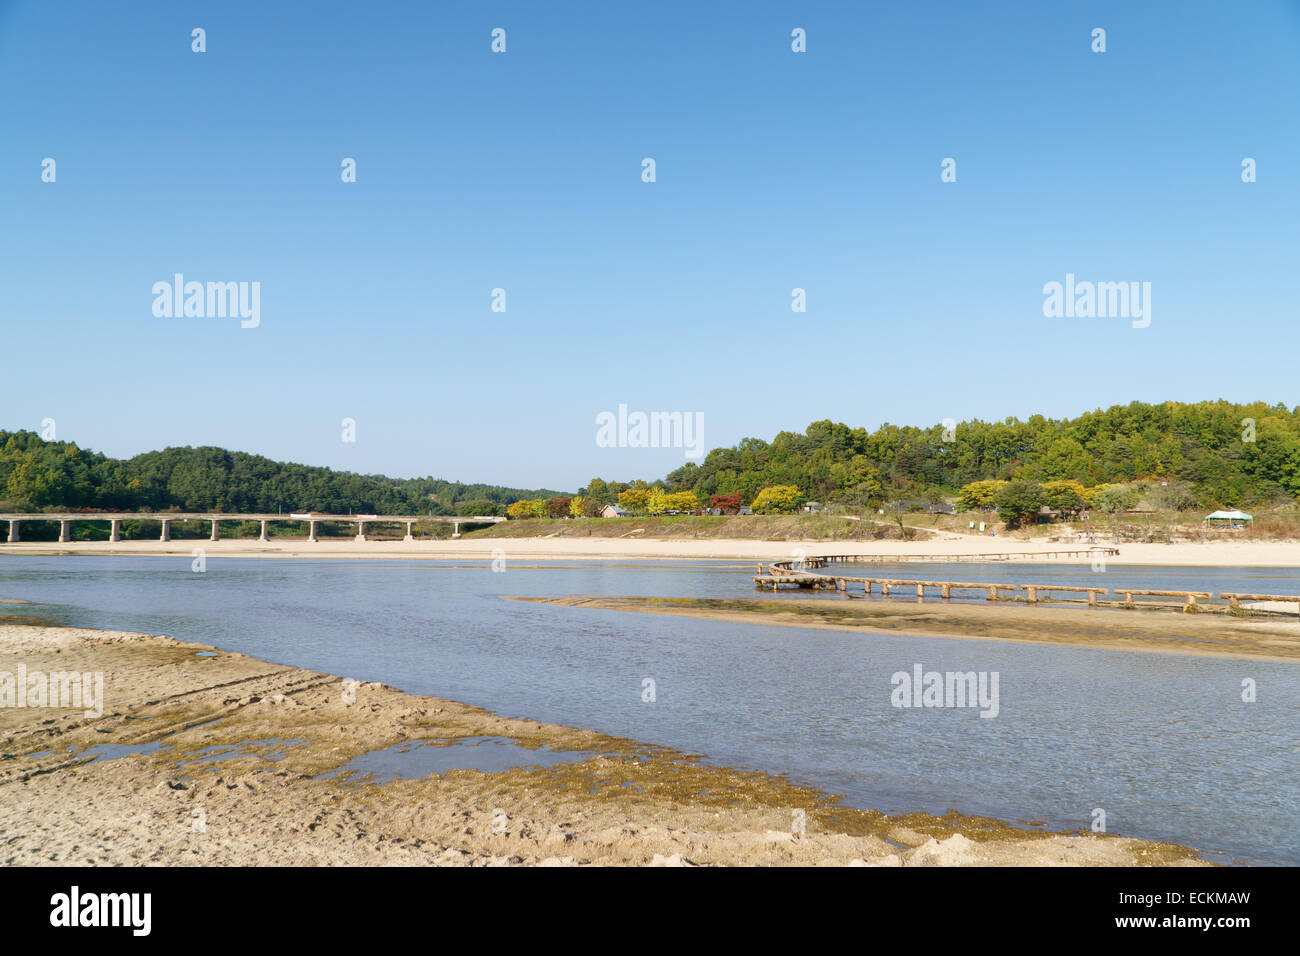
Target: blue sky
{"type": "Point", "coordinates": [522, 171]}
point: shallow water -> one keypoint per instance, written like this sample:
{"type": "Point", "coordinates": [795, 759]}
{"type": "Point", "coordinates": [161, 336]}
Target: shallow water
{"type": "Point", "coordinates": [1163, 743]}
{"type": "Point", "coordinates": [419, 758]}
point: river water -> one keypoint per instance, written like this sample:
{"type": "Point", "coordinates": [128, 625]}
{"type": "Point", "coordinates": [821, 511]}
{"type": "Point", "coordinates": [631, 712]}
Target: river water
{"type": "Point", "coordinates": [1163, 743]}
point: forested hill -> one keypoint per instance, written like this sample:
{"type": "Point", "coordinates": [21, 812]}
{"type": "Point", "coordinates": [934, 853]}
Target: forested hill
{"type": "Point", "coordinates": [36, 474]}
{"type": "Point", "coordinates": [1205, 454]}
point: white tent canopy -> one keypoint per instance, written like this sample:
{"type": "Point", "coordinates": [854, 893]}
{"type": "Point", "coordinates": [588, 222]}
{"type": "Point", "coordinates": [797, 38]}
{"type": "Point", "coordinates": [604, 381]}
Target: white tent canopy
{"type": "Point", "coordinates": [1229, 516]}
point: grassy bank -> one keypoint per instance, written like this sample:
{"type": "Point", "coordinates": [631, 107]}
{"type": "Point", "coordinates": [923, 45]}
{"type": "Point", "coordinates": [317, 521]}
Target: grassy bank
{"type": "Point", "coordinates": [804, 527]}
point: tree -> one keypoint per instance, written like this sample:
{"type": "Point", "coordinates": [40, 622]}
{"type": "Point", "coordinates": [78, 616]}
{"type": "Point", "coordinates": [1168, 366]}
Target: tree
{"type": "Point", "coordinates": [1018, 500]}
{"type": "Point", "coordinates": [1112, 498]}
{"type": "Point", "coordinates": [727, 504]}
{"type": "Point", "coordinates": [777, 499]}
{"type": "Point", "coordinates": [656, 501]}
{"type": "Point", "coordinates": [1068, 497]}
{"type": "Point", "coordinates": [577, 506]}
{"type": "Point", "coordinates": [683, 501]}
{"type": "Point", "coordinates": [597, 490]}
{"type": "Point", "coordinates": [558, 507]}
{"type": "Point", "coordinates": [523, 508]}
{"type": "Point", "coordinates": [633, 500]}
{"type": "Point", "coordinates": [978, 495]}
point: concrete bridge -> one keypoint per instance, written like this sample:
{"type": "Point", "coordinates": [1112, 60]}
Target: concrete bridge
{"type": "Point", "coordinates": [165, 519]}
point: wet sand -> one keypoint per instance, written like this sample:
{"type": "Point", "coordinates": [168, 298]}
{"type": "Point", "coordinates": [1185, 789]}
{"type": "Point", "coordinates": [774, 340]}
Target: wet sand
{"type": "Point", "coordinates": [228, 754]}
{"type": "Point", "coordinates": [1167, 631]}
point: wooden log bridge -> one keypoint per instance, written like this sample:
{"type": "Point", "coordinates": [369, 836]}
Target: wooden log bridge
{"type": "Point", "coordinates": [1189, 597]}
{"type": "Point", "coordinates": [993, 592]}
{"type": "Point", "coordinates": [785, 572]}
{"type": "Point", "coordinates": [1235, 598]}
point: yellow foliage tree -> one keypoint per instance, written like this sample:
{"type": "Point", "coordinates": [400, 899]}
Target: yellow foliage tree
{"type": "Point", "coordinates": [776, 499]}
{"type": "Point", "coordinates": [633, 500]}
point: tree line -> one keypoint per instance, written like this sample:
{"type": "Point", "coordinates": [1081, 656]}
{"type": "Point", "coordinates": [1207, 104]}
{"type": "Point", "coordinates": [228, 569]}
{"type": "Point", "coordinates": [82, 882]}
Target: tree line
{"type": "Point", "coordinates": [40, 475]}
{"type": "Point", "coordinates": [1186, 455]}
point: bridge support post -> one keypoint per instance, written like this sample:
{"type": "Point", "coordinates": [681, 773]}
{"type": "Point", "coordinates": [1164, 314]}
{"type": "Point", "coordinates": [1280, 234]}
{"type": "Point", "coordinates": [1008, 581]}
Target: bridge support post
{"type": "Point", "coordinates": [361, 531]}
{"type": "Point", "coordinates": [263, 536]}
{"type": "Point", "coordinates": [884, 589]}
{"type": "Point", "coordinates": [920, 593]}
{"type": "Point", "coordinates": [216, 533]}
{"type": "Point", "coordinates": [115, 529]}
{"type": "Point", "coordinates": [410, 534]}
{"type": "Point", "coordinates": [13, 531]}
{"type": "Point", "coordinates": [945, 591]}
{"type": "Point", "coordinates": [1092, 598]}
{"type": "Point", "coordinates": [1031, 594]}
{"type": "Point", "coordinates": [455, 529]}
{"type": "Point", "coordinates": [166, 533]}
{"type": "Point", "coordinates": [65, 530]}
{"type": "Point", "coordinates": [993, 594]}
{"type": "Point", "coordinates": [311, 534]}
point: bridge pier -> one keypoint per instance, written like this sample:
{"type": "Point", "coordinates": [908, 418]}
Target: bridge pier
{"type": "Point", "coordinates": [410, 534]}
{"type": "Point", "coordinates": [263, 536]}
{"type": "Point", "coordinates": [166, 533]}
{"type": "Point", "coordinates": [945, 591]}
{"type": "Point", "coordinates": [13, 530]}
{"type": "Point", "coordinates": [311, 535]}
{"type": "Point", "coordinates": [455, 529]}
{"type": "Point", "coordinates": [1031, 594]}
{"type": "Point", "coordinates": [115, 529]}
{"type": "Point", "coordinates": [65, 530]}
{"type": "Point", "coordinates": [216, 533]}
{"type": "Point", "coordinates": [361, 531]}
{"type": "Point", "coordinates": [920, 593]}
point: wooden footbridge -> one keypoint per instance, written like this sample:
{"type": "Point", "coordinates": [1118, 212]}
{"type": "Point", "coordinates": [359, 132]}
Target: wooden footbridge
{"type": "Point", "coordinates": [794, 572]}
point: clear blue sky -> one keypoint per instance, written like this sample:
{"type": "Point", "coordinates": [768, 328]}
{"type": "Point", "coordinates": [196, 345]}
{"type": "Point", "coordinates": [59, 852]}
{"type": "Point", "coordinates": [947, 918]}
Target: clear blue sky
{"type": "Point", "coordinates": [775, 170]}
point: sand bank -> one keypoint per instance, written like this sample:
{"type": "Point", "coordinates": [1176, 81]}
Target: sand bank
{"type": "Point", "coordinates": [1226, 553]}
{"type": "Point", "coordinates": [222, 759]}
{"type": "Point", "coordinates": [1160, 632]}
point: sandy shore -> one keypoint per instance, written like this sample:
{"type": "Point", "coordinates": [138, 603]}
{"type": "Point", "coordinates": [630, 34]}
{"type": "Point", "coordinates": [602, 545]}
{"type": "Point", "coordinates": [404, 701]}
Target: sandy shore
{"type": "Point", "coordinates": [1226, 553]}
{"type": "Point", "coordinates": [222, 759]}
{"type": "Point", "coordinates": [1153, 631]}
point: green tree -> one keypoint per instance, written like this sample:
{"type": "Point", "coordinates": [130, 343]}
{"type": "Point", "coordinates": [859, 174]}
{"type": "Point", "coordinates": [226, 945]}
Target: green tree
{"type": "Point", "coordinates": [1019, 500]}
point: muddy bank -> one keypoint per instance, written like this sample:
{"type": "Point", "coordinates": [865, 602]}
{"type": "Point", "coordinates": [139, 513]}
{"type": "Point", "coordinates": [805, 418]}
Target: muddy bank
{"type": "Point", "coordinates": [205, 757]}
{"type": "Point", "coordinates": [1161, 632]}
